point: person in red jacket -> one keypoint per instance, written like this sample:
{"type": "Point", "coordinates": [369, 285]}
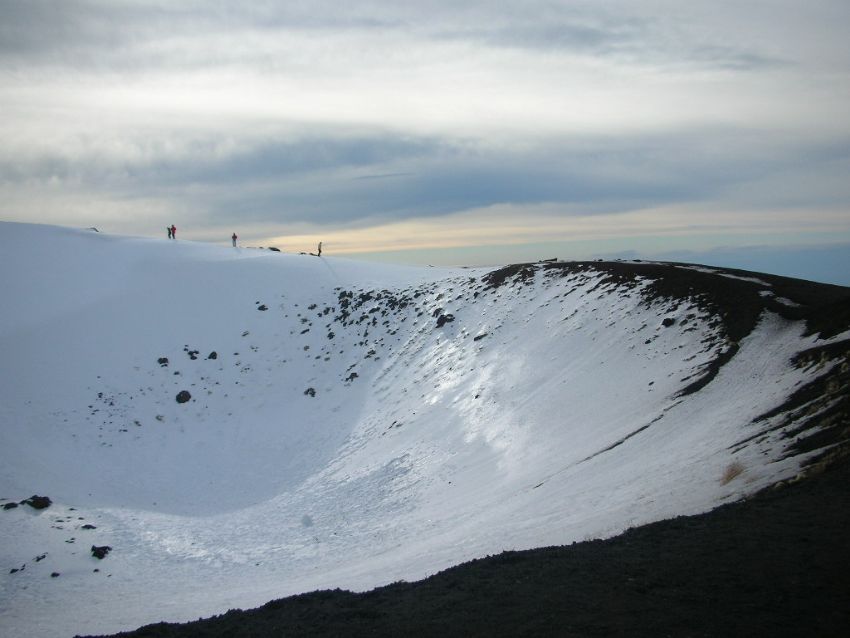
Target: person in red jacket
{"type": "Point", "coordinates": [173, 231]}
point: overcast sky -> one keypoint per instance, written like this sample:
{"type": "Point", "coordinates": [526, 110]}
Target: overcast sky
{"type": "Point", "coordinates": [474, 132]}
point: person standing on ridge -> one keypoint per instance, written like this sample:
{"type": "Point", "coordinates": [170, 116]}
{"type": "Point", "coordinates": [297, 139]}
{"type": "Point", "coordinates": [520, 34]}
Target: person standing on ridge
{"type": "Point", "coordinates": [234, 238]}
{"type": "Point", "coordinates": [320, 249]}
{"type": "Point", "coordinates": [168, 229]}
{"type": "Point", "coordinates": [173, 231]}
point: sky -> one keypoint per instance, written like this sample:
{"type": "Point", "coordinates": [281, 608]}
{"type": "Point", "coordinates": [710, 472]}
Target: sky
{"type": "Point", "coordinates": [438, 132]}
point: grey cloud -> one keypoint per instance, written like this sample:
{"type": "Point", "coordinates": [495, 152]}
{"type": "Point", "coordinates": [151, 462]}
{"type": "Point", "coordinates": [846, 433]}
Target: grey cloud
{"type": "Point", "coordinates": [628, 39]}
{"type": "Point", "coordinates": [597, 176]}
{"type": "Point", "coordinates": [733, 59]}
{"type": "Point", "coordinates": [377, 177]}
{"type": "Point", "coordinates": [126, 36]}
{"type": "Point", "coordinates": [100, 35]}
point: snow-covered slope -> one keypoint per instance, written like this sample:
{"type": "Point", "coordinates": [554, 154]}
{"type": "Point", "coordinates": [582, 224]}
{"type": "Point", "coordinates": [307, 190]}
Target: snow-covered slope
{"type": "Point", "coordinates": [352, 424]}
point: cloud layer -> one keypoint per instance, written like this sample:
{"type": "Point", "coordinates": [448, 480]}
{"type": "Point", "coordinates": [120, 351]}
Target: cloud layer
{"type": "Point", "coordinates": [315, 119]}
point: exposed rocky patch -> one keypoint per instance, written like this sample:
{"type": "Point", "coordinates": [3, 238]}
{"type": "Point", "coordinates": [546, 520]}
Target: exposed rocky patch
{"type": "Point", "coordinates": [37, 502]}
{"type": "Point", "coordinates": [101, 551]}
{"type": "Point", "coordinates": [442, 320]}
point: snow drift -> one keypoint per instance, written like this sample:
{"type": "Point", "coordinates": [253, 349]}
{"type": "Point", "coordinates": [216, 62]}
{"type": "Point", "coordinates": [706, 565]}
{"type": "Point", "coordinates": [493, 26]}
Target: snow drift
{"type": "Point", "coordinates": [239, 425]}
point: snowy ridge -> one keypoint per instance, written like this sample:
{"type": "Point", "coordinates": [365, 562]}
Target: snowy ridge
{"type": "Point", "coordinates": [351, 424]}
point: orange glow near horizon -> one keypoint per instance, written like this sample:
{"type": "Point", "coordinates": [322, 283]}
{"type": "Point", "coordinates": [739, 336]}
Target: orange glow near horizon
{"type": "Point", "coordinates": [509, 225]}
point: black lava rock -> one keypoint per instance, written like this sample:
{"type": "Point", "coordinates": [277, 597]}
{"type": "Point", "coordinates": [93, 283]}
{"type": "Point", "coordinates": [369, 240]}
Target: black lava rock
{"type": "Point", "coordinates": [10, 506]}
{"type": "Point", "coordinates": [37, 502]}
{"type": "Point", "coordinates": [262, 307]}
{"type": "Point", "coordinates": [668, 321]}
{"type": "Point", "coordinates": [310, 392]}
{"type": "Point", "coordinates": [163, 361]}
{"type": "Point", "coordinates": [183, 396]}
{"type": "Point", "coordinates": [100, 552]}
{"type": "Point", "coordinates": [442, 320]}
{"type": "Point", "coordinates": [212, 355]}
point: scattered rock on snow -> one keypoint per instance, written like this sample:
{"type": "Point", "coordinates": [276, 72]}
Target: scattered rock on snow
{"type": "Point", "coordinates": [444, 319]}
{"type": "Point", "coordinates": [212, 355]}
{"type": "Point", "coordinates": [100, 552]}
{"type": "Point", "coordinates": [163, 361]}
{"type": "Point", "coordinates": [310, 392]}
{"type": "Point", "coordinates": [10, 506]}
{"type": "Point", "coordinates": [37, 502]}
{"type": "Point", "coordinates": [183, 396]}
{"type": "Point", "coordinates": [262, 307]}
{"type": "Point", "coordinates": [668, 321]}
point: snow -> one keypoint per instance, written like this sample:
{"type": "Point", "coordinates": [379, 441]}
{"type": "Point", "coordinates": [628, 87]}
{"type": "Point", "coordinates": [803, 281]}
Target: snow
{"type": "Point", "coordinates": [720, 273]}
{"type": "Point", "coordinates": [560, 423]}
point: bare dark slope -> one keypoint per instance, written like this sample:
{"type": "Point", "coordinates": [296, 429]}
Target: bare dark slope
{"type": "Point", "coordinates": [775, 564]}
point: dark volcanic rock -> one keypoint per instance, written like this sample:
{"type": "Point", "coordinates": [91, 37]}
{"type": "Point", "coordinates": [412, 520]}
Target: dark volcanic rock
{"type": "Point", "coordinates": [183, 396]}
{"type": "Point", "coordinates": [262, 307]}
{"type": "Point", "coordinates": [212, 355]}
{"type": "Point", "coordinates": [521, 273]}
{"type": "Point", "coordinates": [100, 552]}
{"type": "Point", "coordinates": [37, 502]}
{"type": "Point", "coordinates": [311, 392]}
{"type": "Point", "coordinates": [10, 506]}
{"type": "Point", "coordinates": [668, 321]}
{"type": "Point", "coordinates": [163, 361]}
{"type": "Point", "coordinates": [442, 320]}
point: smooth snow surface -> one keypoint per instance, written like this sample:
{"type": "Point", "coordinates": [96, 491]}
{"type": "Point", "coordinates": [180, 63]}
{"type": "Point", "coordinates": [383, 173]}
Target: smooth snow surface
{"type": "Point", "coordinates": [340, 438]}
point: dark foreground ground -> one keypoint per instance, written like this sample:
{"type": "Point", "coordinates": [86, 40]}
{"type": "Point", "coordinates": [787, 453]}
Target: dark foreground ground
{"type": "Point", "coordinates": [775, 565]}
